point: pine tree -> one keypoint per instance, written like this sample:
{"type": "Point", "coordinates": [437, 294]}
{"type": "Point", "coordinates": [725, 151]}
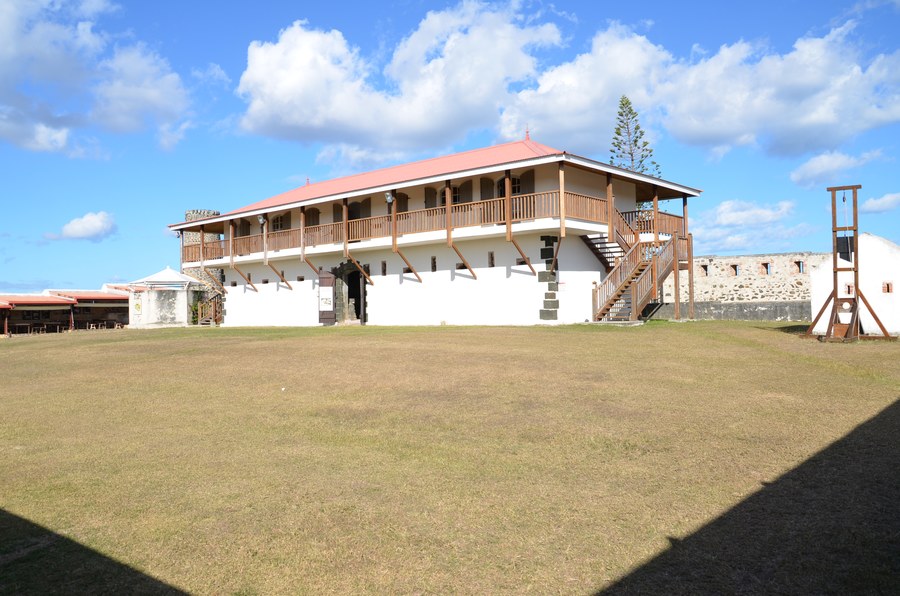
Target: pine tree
{"type": "Point", "coordinates": [629, 149]}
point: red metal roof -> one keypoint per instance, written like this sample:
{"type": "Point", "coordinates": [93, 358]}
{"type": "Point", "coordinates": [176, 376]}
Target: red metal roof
{"type": "Point", "coordinates": [91, 296]}
{"type": "Point", "coordinates": [14, 300]}
{"type": "Point", "coordinates": [396, 175]}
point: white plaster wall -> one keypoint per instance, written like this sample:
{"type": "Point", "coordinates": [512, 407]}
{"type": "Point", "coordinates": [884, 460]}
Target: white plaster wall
{"type": "Point", "coordinates": [273, 304]}
{"type": "Point", "coordinates": [149, 314]}
{"type": "Point", "coordinates": [506, 294]}
{"type": "Point", "coordinates": [579, 270]}
{"type": "Point", "coordinates": [879, 263]}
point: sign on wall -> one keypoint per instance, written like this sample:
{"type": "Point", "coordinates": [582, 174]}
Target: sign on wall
{"type": "Point", "coordinates": [326, 298]}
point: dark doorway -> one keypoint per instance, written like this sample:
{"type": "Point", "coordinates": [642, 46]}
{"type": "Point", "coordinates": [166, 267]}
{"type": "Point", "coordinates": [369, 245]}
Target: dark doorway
{"type": "Point", "coordinates": [356, 291]}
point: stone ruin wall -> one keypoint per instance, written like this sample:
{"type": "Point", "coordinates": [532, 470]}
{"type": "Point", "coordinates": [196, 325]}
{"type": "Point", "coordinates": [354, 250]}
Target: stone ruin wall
{"type": "Point", "coordinates": [194, 238]}
{"type": "Point", "coordinates": [715, 279]}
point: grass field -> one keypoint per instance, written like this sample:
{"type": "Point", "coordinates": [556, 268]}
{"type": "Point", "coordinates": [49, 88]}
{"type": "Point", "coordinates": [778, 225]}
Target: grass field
{"type": "Point", "coordinates": [697, 457]}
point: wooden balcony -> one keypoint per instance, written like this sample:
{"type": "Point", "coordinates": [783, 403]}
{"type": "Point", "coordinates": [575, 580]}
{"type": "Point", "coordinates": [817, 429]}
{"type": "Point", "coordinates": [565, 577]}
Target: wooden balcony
{"type": "Point", "coordinates": [521, 208]}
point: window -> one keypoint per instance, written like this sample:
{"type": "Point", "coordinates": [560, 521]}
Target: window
{"type": "Point", "coordinates": [461, 266]}
{"type": "Point", "coordinates": [765, 268]}
{"type": "Point", "coordinates": [704, 270]}
{"type": "Point", "coordinates": [383, 267]}
{"type": "Point", "coordinates": [300, 278]}
{"type": "Point", "coordinates": [887, 287]}
{"type": "Point", "coordinates": [516, 187]}
{"type": "Point", "coordinates": [735, 270]}
{"type": "Point", "coordinates": [799, 267]}
{"type": "Point", "coordinates": [490, 258]}
{"type": "Point", "coordinates": [433, 264]}
{"type": "Point", "coordinates": [521, 261]}
{"type": "Point", "coordinates": [454, 194]}
{"type": "Point", "coordinates": [279, 223]}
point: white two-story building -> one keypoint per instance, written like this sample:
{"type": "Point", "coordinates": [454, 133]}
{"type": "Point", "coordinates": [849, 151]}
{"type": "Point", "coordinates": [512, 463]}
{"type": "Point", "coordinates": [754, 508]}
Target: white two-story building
{"type": "Point", "coordinates": [513, 234]}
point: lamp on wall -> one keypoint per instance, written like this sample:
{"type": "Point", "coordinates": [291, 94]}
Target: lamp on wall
{"type": "Point", "coordinates": [389, 197]}
{"type": "Point", "coordinates": [261, 219]}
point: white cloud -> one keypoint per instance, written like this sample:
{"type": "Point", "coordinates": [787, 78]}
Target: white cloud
{"type": "Point", "coordinates": [814, 97]}
{"type": "Point", "coordinates": [888, 202]}
{"type": "Point", "coordinates": [744, 213]}
{"type": "Point", "coordinates": [90, 226]}
{"type": "Point", "coordinates": [828, 167]}
{"type": "Point", "coordinates": [449, 76]}
{"type": "Point", "coordinates": [138, 88]}
{"type": "Point", "coordinates": [52, 52]}
{"type": "Point", "coordinates": [735, 225]}
{"type": "Point", "coordinates": [170, 135]}
{"type": "Point", "coordinates": [213, 73]}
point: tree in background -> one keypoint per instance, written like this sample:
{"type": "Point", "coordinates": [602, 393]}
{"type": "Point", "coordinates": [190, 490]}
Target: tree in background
{"type": "Point", "coordinates": [629, 149]}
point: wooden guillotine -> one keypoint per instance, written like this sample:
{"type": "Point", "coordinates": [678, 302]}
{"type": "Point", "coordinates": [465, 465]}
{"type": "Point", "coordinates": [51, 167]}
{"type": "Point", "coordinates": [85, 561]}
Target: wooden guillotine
{"type": "Point", "coordinates": [845, 301]}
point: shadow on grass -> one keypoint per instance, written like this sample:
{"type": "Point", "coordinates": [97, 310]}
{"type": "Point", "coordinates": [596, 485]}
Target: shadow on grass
{"type": "Point", "coordinates": [829, 526]}
{"type": "Point", "coordinates": [35, 560]}
{"type": "Point", "coordinates": [789, 329]}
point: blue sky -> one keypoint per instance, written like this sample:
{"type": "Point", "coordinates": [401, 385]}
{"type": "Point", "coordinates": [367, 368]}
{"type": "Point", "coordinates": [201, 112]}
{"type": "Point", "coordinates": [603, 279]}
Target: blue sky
{"type": "Point", "coordinates": [116, 117]}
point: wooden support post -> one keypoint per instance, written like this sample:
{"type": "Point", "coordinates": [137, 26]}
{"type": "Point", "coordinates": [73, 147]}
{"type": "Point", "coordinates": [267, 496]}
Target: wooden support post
{"type": "Point", "coordinates": [408, 264]}
{"type": "Point", "coordinates": [361, 270]}
{"type": "Point", "coordinates": [202, 244]}
{"type": "Point", "coordinates": [246, 279]}
{"type": "Point", "coordinates": [507, 203]}
{"type": "Point", "coordinates": [677, 280]}
{"type": "Point", "coordinates": [465, 262]}
{"type": "Point", "coordinates": [181, 242]}
{"type": "Point", "coordinates": [311, 265]}
{"type": "Point", "coordinates": [303, 233]}
{"type": "Point", "coordinates": [72, 318]}
{"type": "Point", "coordinates": [6, 321]}
{"type": "Point", "coordinates": [231, 243]}
{"type": "Point", "coordinates": [684, 215]}
{"type": "Point", "coordinates": [393, 209]}
{"type": "Point", "coordinates": [690, 246]}
{"type": "Point", "coordinates": [562, 199]}
{"type": "Point", "coordinates": [556, 256]}
{"type": "Point", "coordinates": [280, 275]}
{"type": "Point", "coordinates": [524, 256]}
{"type": "Point", "coordinates": [448, 210]}
{"type": "Point", "coordinates": [655, 216]}
{"type": "Point", "coordinates": [346, 215]}
{"type": "Point", "coordinates": [610, 209]}
{"type": "Point", "coordinates": [265, 235]}
{"type": "Point", "coordinates": [634, 313]}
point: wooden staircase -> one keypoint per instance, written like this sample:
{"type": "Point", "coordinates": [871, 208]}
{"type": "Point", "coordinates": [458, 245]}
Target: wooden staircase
{"type": "Point", "coordinates": [606, 250]}
{"type": "Point", "coordinates": [635, 281]}
{"type": "Point", "coordinates": [210, 311]}
{"type": "Point", "coordinates": [619, 307]}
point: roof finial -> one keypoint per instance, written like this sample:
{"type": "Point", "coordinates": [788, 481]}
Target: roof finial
{"type": "Point", "coordinates": [307, 181]}
{"type": "Point", "coordinates": [527, 133]}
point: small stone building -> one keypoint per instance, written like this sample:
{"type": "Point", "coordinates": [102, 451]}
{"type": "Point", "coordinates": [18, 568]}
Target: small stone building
{"type": "Point", "coordinates": [163, 299]}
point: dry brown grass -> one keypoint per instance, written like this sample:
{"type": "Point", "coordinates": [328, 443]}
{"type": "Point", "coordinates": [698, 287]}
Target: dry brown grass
{"type": "Point", "coordinates": [404, 460]}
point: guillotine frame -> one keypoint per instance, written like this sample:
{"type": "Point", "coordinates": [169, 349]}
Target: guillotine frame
{"type": "Point", "coordinates": [849, 304]}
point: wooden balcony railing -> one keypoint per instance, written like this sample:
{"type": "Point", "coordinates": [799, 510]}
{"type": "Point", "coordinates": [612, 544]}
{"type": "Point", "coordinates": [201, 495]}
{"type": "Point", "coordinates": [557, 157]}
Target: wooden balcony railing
{"type": "Point", "coordinates": [643, 222]}
{"type": "Point", "coordinates": [332, 233]}
{"type": "Point", "coordinates": [284, 239]}
{"type": "Point", "coordinates": [476, 213]}
{"type": "Point", "coordinates": [585, 207]}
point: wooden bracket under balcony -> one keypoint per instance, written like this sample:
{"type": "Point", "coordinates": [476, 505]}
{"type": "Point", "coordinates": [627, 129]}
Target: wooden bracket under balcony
{"type": "Point", "coordinates": [555, 255]}
{"type": "Point", "coordinates": [361, 269]}
{"type": "Point", "coordinates": [280, 276]}
{"type": "Point", "coordinates": [246, 279]}
{"type": "Point", "coordinates": [465, 262]}
{"type": "Point", "coordinates": [215, 281]}
{"type": "Point", "coordinates": [524, 256]}
{"type": "Point", "coordinates": [408, 264]}
{"type": "Point", "coordinates": [311, 265]}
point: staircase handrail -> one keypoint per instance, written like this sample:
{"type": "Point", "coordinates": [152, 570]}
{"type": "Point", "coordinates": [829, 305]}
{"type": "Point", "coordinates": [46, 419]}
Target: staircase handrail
{"type": "Point", "coordinates": [625, 235]}
{"type": "Point", "coordinates": [643, 285]}
{"type": "Point", "coordinates": [618, 277]}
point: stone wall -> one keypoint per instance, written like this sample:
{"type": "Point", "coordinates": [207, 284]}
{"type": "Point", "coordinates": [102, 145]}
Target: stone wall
{"type": "Point", "coordinates": [762, 278]}
{"type": "Point", "coordinates": [194, 238]}
{"type": "Point", "coordinates": [782, 310]}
